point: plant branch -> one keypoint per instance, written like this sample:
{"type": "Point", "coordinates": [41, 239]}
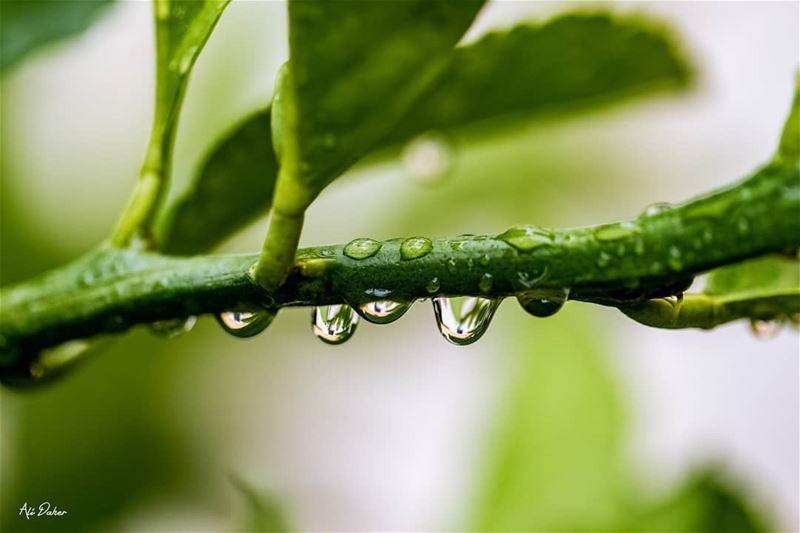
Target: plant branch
{"type": "Point", "coordinates": [617, 264]}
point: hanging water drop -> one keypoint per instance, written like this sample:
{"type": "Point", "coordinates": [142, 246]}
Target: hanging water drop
{"type": "Point", "coordinates": [169, 329]}
{"type": "Point", "coordinates": [432, 286]}
{"type": "Point", "coordinates": [766, 329]}
{"type": "Point", "coordinates": [334, 324]}
{"type": "Point", "coordinates": [383, 311]}
{"type": "Point", "coordinates": [246, 323]}
{"type": "Point", "coordinates": [427, 159]}
{"type": "Point", "coordinates": [361, 248]}
{"type": "Point", "coordinates": [544, 302]}
{"type": "Point", "coordinates": [464, 320]}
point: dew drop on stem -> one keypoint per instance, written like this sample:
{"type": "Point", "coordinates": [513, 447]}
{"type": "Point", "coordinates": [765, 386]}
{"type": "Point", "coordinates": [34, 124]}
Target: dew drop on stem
{"type": "Point", "coordinates": [361, 248]}
{"type": "Point", "coordinates": [415, 247]}
{"type": "Point", "coordinates": [174, 327]}
{"type": "Point", "coordinates": [463, 320]}
{"type": "Point", "coordinates": [333, 324]}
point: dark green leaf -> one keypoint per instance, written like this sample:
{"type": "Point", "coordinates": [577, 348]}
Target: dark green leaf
{"type": "Point", "coordinates": [574, 60]}
{"type": "Point", "coordinates": [234, 185]}
{"type": "Point", "coordinates": [357, 67]}
{"type": "Point", "coordinates": [27, 24]}
{"type": "Point", "coordinates": [514, 73]}
{"type": "Point", "coordinates": [704, 504]}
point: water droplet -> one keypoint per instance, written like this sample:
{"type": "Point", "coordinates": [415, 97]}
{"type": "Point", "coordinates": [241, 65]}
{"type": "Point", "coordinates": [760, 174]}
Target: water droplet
{"type": "Point", "coordinates": [415, 247]}
{"type": "Point", "coordinates": [743, 225]}
{"type": "Point", "coordinates": [708, 235]}
{"type": "Point", "coordinates": [246, 323]}
{"type": "Point", "coordinates": [603, 260]}
{"type": "Point", "coordinates": [656, 209]}
{"type": "Point", "coordinates": [766, 329]}
{"type": "Point", "coordinates": [463, 320]}
{"type": "Point", "coordinates": [527, 238]}
{"type": "Point", "coordinates": [169, 329]}
{"type": "Point", "coordinates": [485, 284]}
{"type": "Point", "coordinates": [542, 303]}
{"type": "Point", "coordinates": [56, 359]}
{"type": "Point", "coordinates": [656, 268]}
{"type": "Point", "coordinates": [638, 247]}
{"type": "Point", "coordinates": [526, 280]}
{"type": "Point", "coordinates": [87, 278]}
{"type": "Point", "coordinates": [361, 248]}
{"type": "Point", "coordinates": [484, 260]}
{"type": "Point", "coordinates": [333, 324]}
{"type": "Point", "coordinates": [428, 159]}
{"type": "Point", "coordinates": [613, 232]}
{"type": "Point", "coordinates": [383, 311]}
{"type": "Point", "coordinates": [432, 286]}
{"type": "Point", "coordinates": [675, 300]}
{"type": "Point", "coordinates": [451, 266]}
{"type": "Point", "coordinates": [674, 260]}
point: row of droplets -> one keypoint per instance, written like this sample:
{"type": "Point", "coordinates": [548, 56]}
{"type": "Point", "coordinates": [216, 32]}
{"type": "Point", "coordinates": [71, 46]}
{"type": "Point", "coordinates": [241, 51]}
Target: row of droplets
{"type": "Point", "coordinates": [461, 320]}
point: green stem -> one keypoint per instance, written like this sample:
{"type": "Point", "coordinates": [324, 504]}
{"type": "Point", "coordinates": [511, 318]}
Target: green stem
{"type": "Point", "coordinates": [138, 216]}
{"type": "Point", "coordinates": [613, 264]}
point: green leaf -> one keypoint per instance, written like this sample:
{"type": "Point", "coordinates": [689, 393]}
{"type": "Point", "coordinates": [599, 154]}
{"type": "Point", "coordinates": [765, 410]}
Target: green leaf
{"type": "Point", "coordinates": [763, 276]}
{"type": "Point", "coordinates": [515, 73]}
{"type": "Point", "coordinates": [28, 24]}
{"type": "Point", "coordinates": [182, 29]}
{"type": "Point", "coordinates": [357, 67]}
{"type": "Point", "coordinates": [790, 139]}
{"type": "Point", "coordinates": [555, 461]}
{"type": "Point", "coordinates": [234, 185]}
{"type": "Point", "coordinates": [575, 60]}
{"type": "Point", "coordinates": [703, 504]}
{"type": "Point", "coordinates": [264, 512]}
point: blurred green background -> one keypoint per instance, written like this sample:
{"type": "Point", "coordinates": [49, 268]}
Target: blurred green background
{"type": "Point", "coordinates": [581, 422]}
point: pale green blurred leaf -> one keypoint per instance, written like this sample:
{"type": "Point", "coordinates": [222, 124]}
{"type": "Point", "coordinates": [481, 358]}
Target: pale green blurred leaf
{"type": "Point", "coordinates": [264, 511]}
{"type": "Point", "coordinates": [233, 186]}
{"type": "Point", "coordinates": [27, 24]}
{"type": "Point", "coordinates": [356, 68]}
{"type": "Point", "coordinates": [555, 462]}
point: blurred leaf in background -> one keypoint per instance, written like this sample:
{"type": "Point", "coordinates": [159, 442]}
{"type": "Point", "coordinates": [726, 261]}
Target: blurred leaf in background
{"type": "Point", "coordinates": [506, 75]}
{"type": "Point", "coordinates": [27, 24]}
